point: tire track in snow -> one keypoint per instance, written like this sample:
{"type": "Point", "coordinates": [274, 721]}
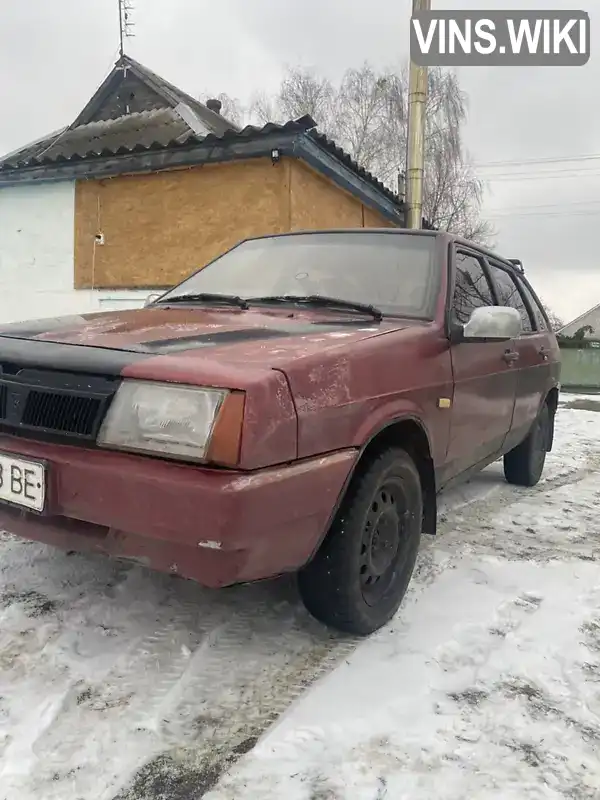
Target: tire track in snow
{"type": "Point", "coordinates": [505, 495]}
{"type": "Point", "coordinates": [511, 523]}
{"type": "Point", "coordinates": [238, 683]}
{"type": "Point", "coordinates": [250, 671]}
{"type": "Point", "coordinates": [242, 677]}
{"type": "Point", "coordinates": [193, 677]}
{"type": "Point", "coordinates": [138, 678]}
{"type": "Point", "coordinates": [240, 680]}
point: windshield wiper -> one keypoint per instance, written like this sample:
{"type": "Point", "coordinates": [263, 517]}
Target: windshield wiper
{"type": "Point", "coordinates": [320, 301]}
{"type": "Point", "coordinates": [206, 297]}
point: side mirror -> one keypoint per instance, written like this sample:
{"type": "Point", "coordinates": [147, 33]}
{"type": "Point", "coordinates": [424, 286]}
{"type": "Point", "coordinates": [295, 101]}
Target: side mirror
{"type": "Point", "coordinates": [492, 323]}
{"type": "Point", "coordinates": [152, 298]}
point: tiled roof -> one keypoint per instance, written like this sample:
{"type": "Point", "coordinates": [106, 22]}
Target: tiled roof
{"type": "Point", "coordinates": [165, 129]}
{"type": "Point", "coordinates": [166, 117]}
{"type": "Point", "coordinates": [213, 122]}
{"type": "Point", "coordinates": [158, 128]}
{"type": "Point", "coordinates": [136, 112]}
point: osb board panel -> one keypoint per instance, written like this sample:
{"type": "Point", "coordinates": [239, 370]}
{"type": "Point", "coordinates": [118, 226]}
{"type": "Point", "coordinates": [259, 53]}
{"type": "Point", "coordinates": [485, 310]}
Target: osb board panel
{"type": "Point", "coordinates": [373, 219]}
{"type": "Point", "coordinates": [317, 203]}
{"type": "Point", "coordinates": [159, 228]}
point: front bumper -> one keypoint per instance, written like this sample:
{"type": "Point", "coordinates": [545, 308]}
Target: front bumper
{"type": "Point", "coordinates": [215, 526]}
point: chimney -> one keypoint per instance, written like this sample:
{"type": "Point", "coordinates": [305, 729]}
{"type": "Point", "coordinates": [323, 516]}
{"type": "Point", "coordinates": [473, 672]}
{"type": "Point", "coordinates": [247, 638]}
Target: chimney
{"type": "Point", "coordinates": [214, 105]}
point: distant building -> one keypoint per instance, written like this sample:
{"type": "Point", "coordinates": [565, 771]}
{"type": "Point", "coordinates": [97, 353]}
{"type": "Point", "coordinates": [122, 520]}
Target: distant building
{"type": "Point", "coordinates": [590, 321]}
{"type": "Point", "coordinates": [148, 184]}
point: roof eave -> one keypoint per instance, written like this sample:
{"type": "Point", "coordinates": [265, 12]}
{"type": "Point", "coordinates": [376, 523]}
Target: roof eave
{"type": "Point", "coordinates": [325, 163]}
{"type": "Point", "coordinates": [149, 160]}
{"type": "Point", "coordinates": [40, 140]}
{"type": "Point", "coordinates": [289, 143]}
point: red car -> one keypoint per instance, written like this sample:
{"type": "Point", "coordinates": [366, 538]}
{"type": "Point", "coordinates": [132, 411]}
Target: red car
{"type": "Point", "coordinates": [295, 405]}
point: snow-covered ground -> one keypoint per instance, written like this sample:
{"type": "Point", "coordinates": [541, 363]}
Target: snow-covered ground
{"type": "Point", "coordinates": [120, 684]}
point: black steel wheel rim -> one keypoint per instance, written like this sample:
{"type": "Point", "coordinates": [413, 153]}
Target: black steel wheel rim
{"type": "Point", "coordinates": [384, 541]}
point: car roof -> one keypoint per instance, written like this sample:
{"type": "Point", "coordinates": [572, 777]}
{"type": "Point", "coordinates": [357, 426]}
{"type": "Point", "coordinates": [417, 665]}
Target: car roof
{"type": "Point", "coordinates": [392, 231]}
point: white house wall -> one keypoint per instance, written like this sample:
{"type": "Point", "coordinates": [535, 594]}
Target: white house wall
{"type": "Point", "coordinates": [37, 256]}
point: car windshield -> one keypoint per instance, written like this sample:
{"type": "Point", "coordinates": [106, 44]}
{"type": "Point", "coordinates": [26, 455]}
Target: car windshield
{"type": "Point", "coordinates": [394, 272]}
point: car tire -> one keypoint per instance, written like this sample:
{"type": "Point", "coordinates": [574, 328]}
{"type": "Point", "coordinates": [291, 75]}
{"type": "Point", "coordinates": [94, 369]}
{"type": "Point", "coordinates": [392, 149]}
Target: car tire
{"type": "Point", "coordinates": [358, 578]}
{"type": "Point", "coordinates": [524, 465]}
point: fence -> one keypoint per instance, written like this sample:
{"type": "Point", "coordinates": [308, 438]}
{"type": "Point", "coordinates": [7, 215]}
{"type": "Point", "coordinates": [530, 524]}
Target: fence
{"type": "Point", "coordinates": [580, 370]}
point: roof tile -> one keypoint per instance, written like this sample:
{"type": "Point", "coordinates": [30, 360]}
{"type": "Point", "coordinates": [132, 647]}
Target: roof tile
{"type": "Point", "coordinates": [183, 122]}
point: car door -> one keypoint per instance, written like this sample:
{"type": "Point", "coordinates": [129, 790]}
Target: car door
{"type": "Point", "coordinates": [549, 351]}
{"type": "Point", "coordinates": [484, 375]}
{"type": "Point", "coordinates": [536, 359]}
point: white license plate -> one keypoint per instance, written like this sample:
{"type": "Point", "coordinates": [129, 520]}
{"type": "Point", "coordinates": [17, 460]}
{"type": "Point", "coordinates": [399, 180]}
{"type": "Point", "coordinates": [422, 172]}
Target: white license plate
{"type": "Point", "coordinates": [22, 482]}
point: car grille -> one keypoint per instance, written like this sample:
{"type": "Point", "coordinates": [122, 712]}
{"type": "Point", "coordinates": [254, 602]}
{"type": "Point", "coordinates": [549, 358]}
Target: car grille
{"type": "Point", "coordinates": [67, 414]}
{"type": "Point", "coordinates": [66, 406]}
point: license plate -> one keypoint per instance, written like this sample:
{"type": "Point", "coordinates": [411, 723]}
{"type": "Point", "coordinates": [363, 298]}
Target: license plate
{"type": "Point", "coordinates": [22, 482]}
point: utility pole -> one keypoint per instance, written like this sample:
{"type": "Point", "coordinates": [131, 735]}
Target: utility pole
{"type": "Point", "coordinates": [415, 151]}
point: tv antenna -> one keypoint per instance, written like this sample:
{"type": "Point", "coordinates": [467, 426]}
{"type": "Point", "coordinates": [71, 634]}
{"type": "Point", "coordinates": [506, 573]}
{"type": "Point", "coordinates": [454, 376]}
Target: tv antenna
{"type": "Point", "coordinates": [125, 24]}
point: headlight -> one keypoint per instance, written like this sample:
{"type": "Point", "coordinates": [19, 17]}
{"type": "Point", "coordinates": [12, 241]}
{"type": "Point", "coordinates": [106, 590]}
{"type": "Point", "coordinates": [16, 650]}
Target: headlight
{"type": "Point", "coordinates": [175, 420]}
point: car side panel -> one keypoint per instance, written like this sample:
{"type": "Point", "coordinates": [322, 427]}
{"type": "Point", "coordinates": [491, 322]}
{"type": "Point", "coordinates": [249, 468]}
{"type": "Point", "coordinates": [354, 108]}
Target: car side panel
{"type": "Point", "coordinates": [538, 374]}
{"type": "Point", "coordinates": [538, 364]}
{"type": "Point", "coordinates": [482, 406]}
{"type": "Point", "coordinates": [344, 401]}
{"type": "Point", "coordinates": [484, 379]}
{"type": "Point", "coordinates": [534, 381]}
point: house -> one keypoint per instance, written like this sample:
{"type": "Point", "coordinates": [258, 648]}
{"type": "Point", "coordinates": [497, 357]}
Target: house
{"type": "Point", "coordinates": [588, 324]}
{"type": "Point", "coordinates": [148, 184]}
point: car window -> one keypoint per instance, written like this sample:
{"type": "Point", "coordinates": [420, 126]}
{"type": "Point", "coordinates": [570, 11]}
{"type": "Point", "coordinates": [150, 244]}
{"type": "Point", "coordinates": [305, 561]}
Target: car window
{"type": "Point", "coordinates": [538, 314]}
{"type": "Point", "coordinates": [397, 272]}
{"type": "Point", "coordinates": [471, 287]}
{"type": "Point", "coordinates": [509, 295]}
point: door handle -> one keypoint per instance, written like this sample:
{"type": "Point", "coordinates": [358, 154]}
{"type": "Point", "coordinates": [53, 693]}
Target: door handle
{"type": "Point", "coordinates": [544, 353]}
{"type": "Point", "coordinates": [510, 356]}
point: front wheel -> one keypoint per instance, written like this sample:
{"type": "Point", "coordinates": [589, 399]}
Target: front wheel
{"type": "Point", "coordinates": [358, 578]}
{"type": "Point", "coordinates": [524, 465]}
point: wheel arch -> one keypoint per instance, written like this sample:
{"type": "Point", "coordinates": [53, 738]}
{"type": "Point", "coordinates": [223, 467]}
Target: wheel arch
{"type": "Point", "coordinates": [409, 433]}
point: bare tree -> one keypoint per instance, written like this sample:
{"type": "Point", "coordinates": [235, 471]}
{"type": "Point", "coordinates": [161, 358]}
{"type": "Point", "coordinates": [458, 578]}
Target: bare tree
{"type": "Point", "coordinates": [305, 92]}
{"type": "Point", "coordinates": [367, 115]}
{"type": "Point", "coordinates": [556, 322]}
{"type": "Point", "coordinates": [263, 109]}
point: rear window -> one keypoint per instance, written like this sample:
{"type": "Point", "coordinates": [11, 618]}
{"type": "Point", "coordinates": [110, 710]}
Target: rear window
{"type": "Point", "coordinates": [396, 272]}
{"type": "Point", "coordinates": [538, 314]}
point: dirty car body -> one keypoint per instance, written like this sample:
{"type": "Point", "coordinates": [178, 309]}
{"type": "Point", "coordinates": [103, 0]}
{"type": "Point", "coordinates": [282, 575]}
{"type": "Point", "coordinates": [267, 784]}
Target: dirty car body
{"type": "Point", "coordinates": [217, 433]}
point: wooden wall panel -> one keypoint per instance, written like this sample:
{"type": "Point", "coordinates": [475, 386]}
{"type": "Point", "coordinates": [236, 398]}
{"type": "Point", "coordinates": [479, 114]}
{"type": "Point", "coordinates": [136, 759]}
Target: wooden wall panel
{"type": "Point", "coordinates": [372, 219]}
{"type": "Point", "coordinates": [317, 203]}
{"type": "Point", "coordinates": [159, 228]}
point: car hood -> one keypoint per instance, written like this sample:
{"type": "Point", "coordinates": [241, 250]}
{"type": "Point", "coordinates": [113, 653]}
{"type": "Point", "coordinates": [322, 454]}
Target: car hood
{"type": "Point", "coordinates": [255, 337]}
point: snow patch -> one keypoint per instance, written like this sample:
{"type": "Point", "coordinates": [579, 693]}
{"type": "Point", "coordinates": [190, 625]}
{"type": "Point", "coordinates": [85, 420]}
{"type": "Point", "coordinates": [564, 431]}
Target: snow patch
{"type": "Point", "coordinates": [117, 683]}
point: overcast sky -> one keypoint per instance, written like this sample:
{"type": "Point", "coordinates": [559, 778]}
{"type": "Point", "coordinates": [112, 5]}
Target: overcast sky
{"type": "Point", "coordinates": [54, 54]}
